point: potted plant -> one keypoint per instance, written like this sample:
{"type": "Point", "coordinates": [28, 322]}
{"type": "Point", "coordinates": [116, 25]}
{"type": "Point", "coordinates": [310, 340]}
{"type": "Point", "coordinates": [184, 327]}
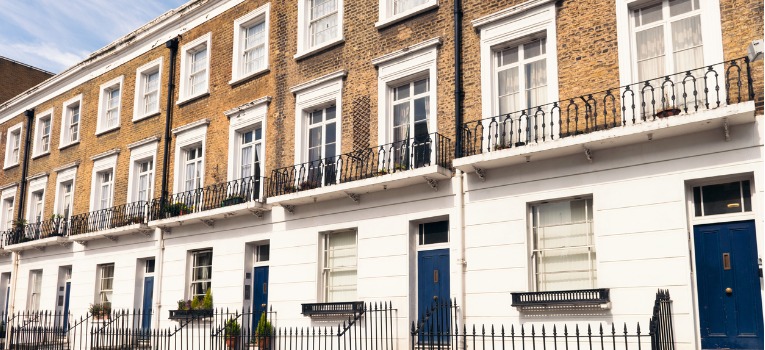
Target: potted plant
{"type": "Point", "coordinates": [308, 185]}
{"type": "Point", "coordinates": [57, 222]}
{"type": "Point", "coordinates": [263, 332]}
{"type": "Point", "coordinates": [194, 308]}
{"type": "Point", "coordinates": [100, 311]}
{"type": "Point", "coordinates": [232, 200]}
{"type": "Point", "coordinates": [231, 332]}
{"type": "Point", "coordinates": [176, 209]}
{"type": "Point", "coordinates": [136, 219]}
{"type": "Point", "coordinates": [667, 110]}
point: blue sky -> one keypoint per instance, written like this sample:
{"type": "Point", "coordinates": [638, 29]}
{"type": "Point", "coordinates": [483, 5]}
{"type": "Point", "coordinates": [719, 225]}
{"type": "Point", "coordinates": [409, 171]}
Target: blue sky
{"type": "Point", "coordinates": [57, 34]}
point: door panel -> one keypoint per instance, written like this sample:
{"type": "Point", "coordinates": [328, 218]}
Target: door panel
{"type": "Point", "coordinates": [433, 290]}
{"type": "Point", "coordinates": [67, 293]}
{"type": "Point", "coordinates": [259, 294]}
{"type": "Point", "coordinates": [730, 307]}
{"type": "Point", "coordinates": [148, 299]}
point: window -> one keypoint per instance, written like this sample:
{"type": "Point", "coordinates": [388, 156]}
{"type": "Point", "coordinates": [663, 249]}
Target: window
{"type": "Point", "coordinates": [247, 132]}
{"type": "Point", "coordinates": [36, 207]}
{"type": "Point", "coordinates": [35, 288]}
{"type": "Point", "coordinates": [667, 38]}
{"type": "Point", "coordinates": [105, 185]}
{"type": "Point", "coordinates": [320, 24]}
{"type": "Point", "coordinates": [195, 66]}
{"type": "Point", "coordinates": [521, 77]}
{"type": "Point", "coordinates": [42, 133]}
{"type": "Point", "coordinates": [189, 158]}
{"type": "Point", "coordinates": [147, 87]}
{"type": "Point", "coordinates": [433, 233]}
{"type": "Point", "coordinates": [70, 122]}
{"type": "Point", "coordinates": [322, 144]}
{"type": "Point", "coordinates": [13, 146]}
{"type": "Point", "coordinates": [249, 155]}
{"type": "Point", "coordinates": [563, 248]}
{"type": "Point", "coordinates": [411, 117]}
{"type": "Point", "coordinates": [6, 216]}
{"type": "Point", "coordinates": [201, 273]}
{"type": "Point", "coordinates": [145, 179]}
{"type": "Point", "coordinates": [339, 271]}
{"type": "Point", "coordinates": [66, 192]}
{"type": "Point", "coordinates": [192, 175]}
{"type": "Point", "coordinates": [141, 172]}
{"type": "Point", "coordinates": [105, 285]}
{"type": "Point", "coordinates": [102, 184]}
{"type": "Point", "coordinates": [251, 44]}
{"type": "Point", "coordinates": [109, 107]}
{"type": "Point", "coordinates": [725, 198]}
{"type": "Point", "coordinates": [392, 11]}
{"type": "Point", "coordinates": [262, 252]}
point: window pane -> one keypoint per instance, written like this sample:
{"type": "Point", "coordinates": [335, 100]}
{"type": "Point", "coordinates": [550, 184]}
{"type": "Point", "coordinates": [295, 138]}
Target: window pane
{"type": "Point", "coordinates": [722, 198]}
{"type": "Point", "coordinates": [401, 92]}
{"type": "Point", "coordinates": [508, 56]}
{"type": "Point", "coordinates": [687, 45]}
{"type": "Point", "coordinates": [340, 266]}
{"type": "Point", "coordinates": [421, 109]}
{"type": "Point", "coordinates": [421, 86]}
{"type": "Point", "coordinates": [330, 113]}
{"type": "Point", "coordinates": [434, 232]}
{"type": "Point", "coordinates": [650, 14]}
{"type": "Point", "coordinates": [650, 53]}
{"type": "Point", "coordinates": [678, 7]}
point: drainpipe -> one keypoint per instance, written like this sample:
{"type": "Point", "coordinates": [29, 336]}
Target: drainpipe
{"type": "Point", "coordinates": [12, 296]}
{"type": "Point", "coordinates": [158, 276]}
{"type": "Point", "coordinates": [171, 44]}
{"type": "Point", "coordinates": [461, 264]}
{"type": "Point", "coordinates": [459, 94]}
{"type": "Point", "coordinates": [30, 114]}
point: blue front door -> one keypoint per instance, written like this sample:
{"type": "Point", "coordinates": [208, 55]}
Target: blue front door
{"type": "Point", "coordinates": [730, 307]}
{"type": "Point", "coordinates": [148, 296]}
{"type": "Point", "coordinates": [67, 292]}
{"type": "Point", "coordinates": [259, 294]}
{"type": "Point", "coordinates": [433, 294]}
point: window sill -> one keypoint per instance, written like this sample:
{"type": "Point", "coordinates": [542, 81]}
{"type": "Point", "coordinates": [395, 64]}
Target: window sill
{"type": "Point", "coordinates": [40, 155]}
{"type": "Point", "coordinates": [405, 15]}
{"type": "Point", "coordinates": [68, 145]}
{"type": "Point", "coordinates": [106, 131]}
{"type": "Point", "coordinates": [333, 309]}
{"type": "Point", "coordinates": [190, 314]}
{"type": "Point", "coordinates": [564, 299]}
{"type": "Point", "coordinates": [316, 49]}
{"type": "Point", "coordinates": [189, 99]}
{"type": "Point", "coordinates": [249, 76]}
{"type": "Point", "coordinates": [6, 167]}
{"type": "Point", "coordinates": [145, 116]}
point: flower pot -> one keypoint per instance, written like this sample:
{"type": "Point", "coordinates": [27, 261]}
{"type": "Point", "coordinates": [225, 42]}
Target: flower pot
{"type": "Point", "coordinates": [668, 112]}
{"type": "Point", "coordinates": [231, 201]}
{"type": "Point", "coordinates": [231, 342]}
{"type": "Point", "coordinates": [264, 342]}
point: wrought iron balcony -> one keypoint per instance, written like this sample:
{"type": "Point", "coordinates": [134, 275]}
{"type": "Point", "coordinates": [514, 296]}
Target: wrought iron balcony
{"type": "Point", "coordinates": [109, 218]}
{"type": "Point", "coordinates": [583, 297]}
{"type": "Point", "coordinates": [396, 157]}
{"type": "Point", "coordinates": [24, 232]}
{"type": "Point", "coordinates": [695, 90]}
{"type": "Point", "coordinates": [243, 190]}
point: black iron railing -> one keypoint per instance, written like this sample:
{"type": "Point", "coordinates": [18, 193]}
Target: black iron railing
{"type": "Point", "coordinates": [661, 322]}
{"type": "Point", "coordinates": [683, 93]}
{"type": "Point", "coordinates": [215, 196]}
{"type": "Point", "coordinates": [27, 232]}
{"type": "Point", "coordinates": [339, 308]}
{"type": "Point", "coordinates": [109, 218]}
{"type": "Point", "coordinates": [366, 163]}
{"type": "Point", "coordinates": [565, 297]}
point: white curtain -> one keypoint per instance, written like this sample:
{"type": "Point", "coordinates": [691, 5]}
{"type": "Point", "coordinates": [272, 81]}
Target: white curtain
{"type": "Point", "coordinates": [650, 53]}
{"type": "Point", "coordinates": [508, 85]}
{"type": "Point", "coordinates": [323, 21]}
{"type": "Point", "coordinates": [340, 266]}
{"type": "Point", "coordinates": [687, 44]}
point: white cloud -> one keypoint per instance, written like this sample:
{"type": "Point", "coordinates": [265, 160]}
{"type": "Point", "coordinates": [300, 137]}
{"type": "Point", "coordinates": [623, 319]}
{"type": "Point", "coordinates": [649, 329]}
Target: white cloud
{"type": "Point", "coordinates": [43, 55]}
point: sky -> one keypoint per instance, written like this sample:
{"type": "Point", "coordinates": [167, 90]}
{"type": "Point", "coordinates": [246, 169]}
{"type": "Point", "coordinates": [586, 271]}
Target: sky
{"type": "Point", "coordinates": [56, 34]}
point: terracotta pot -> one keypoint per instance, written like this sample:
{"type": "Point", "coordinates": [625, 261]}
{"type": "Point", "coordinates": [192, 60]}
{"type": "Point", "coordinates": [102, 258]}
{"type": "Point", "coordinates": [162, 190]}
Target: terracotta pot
{"type": "Point", "coordinates": [668, 112]}
{"type": "Point", "coordinates": [231, 342]}
{"type": "Point", "coordinates": [264, 343]}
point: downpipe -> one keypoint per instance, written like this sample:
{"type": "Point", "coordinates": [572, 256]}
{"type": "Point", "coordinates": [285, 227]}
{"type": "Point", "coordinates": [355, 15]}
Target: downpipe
{"type": "Point", "coordinates": [160, 261]}
{"type": "Point", "coordinates": [460, 263]}
{"type": "Point", "coordinates": [12, 298]}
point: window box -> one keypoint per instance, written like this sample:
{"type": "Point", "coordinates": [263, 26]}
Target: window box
{"type": "Point", "coordinates": [232, 200]}
{"type": "Point", "coordinates": [333, 309]}
{"type": "Point", "coordinates": [564, 298]}
{"type": "Point", "coordinates": [190, 314]}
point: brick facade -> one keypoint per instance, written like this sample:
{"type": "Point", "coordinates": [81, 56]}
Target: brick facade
{"type": "Point", "coordinates": [16, 77]}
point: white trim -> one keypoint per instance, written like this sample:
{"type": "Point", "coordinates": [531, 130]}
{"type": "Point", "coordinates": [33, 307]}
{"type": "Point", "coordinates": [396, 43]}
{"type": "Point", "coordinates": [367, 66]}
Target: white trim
{"type": "Point", "coordinates": [138, 154]}
{"type": "Point", "coordinates": [38, 184]}
{"type": "Point", "coordinates": [101, 164]}
{"type": "Point", "coordinates": [64, 134]}
{"type": "Point", "coordinates": [247, 106]}
{"type": "Point", "coordinates": [111, 152]}
{"type": "Point", "coordinates": [313, 83]}
{"type": "Point", "coordinates": [101, 127]}
{"type": "Point", "coordinates": [183, 84]}
{"type": "Point", "coordinates": [7, 192]}
{"type": "Point", "coordinates": [36, 151]}
{"type": "Point", "coordinates": [18, 128]}
{"type": "Point", "coordinates": [263, 14]}
{"type": "Point", "coordinates": [245, 119]}
{"type": "Point", "coordinates": [37, 176]}
{"type": "Point", "coordinates": [140, 143]}
{"type": "Point", "coordinates": [303, 48]}
{"type": "Point", "coordinates": [140, 74]}
{"type": "Point", "coordinates": [69, 174]}
{"type": "Point", "coordinates": [510, 25]}
{"type": "Point", "coordinates": [401, 66]}
{"type": "Point", "coordinates": [711, 33]}
{"type": "Point", "coordinates": [66, 166]}
{"type": "Point", "coordinates": [508, 12]}
{"type": "Point", "coordinates": [324, 90]}
{"type": "Point", "coordinates": [188, 135]}
{"type": "Point", "coordinates": [385, 18]}
{"type": "Point", "coordinates": [10, 185]}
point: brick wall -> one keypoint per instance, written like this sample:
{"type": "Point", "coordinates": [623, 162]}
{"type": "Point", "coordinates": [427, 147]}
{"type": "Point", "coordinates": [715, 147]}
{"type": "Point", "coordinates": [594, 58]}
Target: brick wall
{"type": "Point", "coordinates": [16, 78]}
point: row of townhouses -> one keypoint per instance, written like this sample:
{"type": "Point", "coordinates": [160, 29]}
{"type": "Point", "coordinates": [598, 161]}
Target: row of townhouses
{"type": "Point", "coordinates": [531, 161]}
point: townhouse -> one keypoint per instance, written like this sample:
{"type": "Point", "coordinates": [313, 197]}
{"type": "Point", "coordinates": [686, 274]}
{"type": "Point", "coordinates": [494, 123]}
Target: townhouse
{"type": "Point", "coordinates": [535, 161]}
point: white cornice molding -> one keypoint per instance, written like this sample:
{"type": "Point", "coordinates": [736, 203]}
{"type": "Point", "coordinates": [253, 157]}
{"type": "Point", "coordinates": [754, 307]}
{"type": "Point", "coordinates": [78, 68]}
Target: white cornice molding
{"type": "Point", "coordinates": [191, 125]}
{"type": "Point", "coordinates": [37, 176]}
{"type": "Point", "coordinates": [231, 112]}
{"type": "Point", "coordinates": [143, 142]}
{"type": "Point", "coordinates": [508, 12]}
{"type": "Point", "coordinates": [66, 166]}
{"type": "Point", "coordinates": [5, 187]}
{"type": "Point", "coordinates": [427, 44]}
{"type": "Point", "coordinates": [320, 80]}
{"type": "Point", "coordinates": [108, 153]}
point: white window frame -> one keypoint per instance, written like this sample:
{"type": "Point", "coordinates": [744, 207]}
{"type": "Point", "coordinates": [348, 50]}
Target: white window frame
{"type": "Point", "coordinates": [64, 176]}
{"type": "Point", "coordinates": [187, 52]}
{"type": "Point", "coordinates": [141, 76]}
{"type": "Point", "coordinates": [13, 145]}
{"type": "Point", "coordinates": [65, 139]}
{"type": "Point", "coordinates": [40, 145]}
{"type": "Point", "coordinates": [591, 246]}
{"type": "Point", "coordinates": [35, 289]}
{"type": "Point", "coordinates": [107, 111]}
{"type": "Point", "coordinates": [322, 91]}
{"type": "Point", "coordinates": [304, 47]}
{"type": "Point", "coordinates": [192, 266]}
{"type": "Point", "coordinates": [509, 27]}
{"type": "Point", "coordinates": [326, 270]}
{"type": "Point", "coordinates": [241, 24]}
{"type": "Point", "coordinates": [102, 294]}
{"type": "Point", "coordinates": [186, 137]}
{"type": "Point", "coordinates": [140, 152]}
{"type": "Point", "coordinates": [242, 119]}
{"type": "Point", "coordinates": [387, 16]}
{"type": "Point", "coordinates": [408, 65]}
{"type": "Point", "coordinates": [37, 185]}
{"type": "Point", "coordinates": [101, 165]}
{"type": "Point", "coordinates": [711, 33]}
{"type": "Point", "coordinates": [8, 212]}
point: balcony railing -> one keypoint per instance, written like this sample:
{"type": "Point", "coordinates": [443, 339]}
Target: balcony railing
{"type": "Point", "coordinates": [366, 163]}
{"type": "Point", "coordinates": [109, 218]}
{"type": "Point", "coordinates": [215, 196]}
{"type": "Point", "coordinates": [683, 93]}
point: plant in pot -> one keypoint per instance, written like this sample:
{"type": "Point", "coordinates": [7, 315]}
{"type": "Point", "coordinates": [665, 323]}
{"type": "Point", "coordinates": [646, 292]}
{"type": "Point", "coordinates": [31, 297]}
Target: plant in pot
{"type": "Point", "coordinates": [667, 109]}
{"type": "Point", "coordinates": [231, 332]}
{"type": "Point", "coordinates": [232, 200]}
{"type": "Point", "coordinates": [263, 332]}
{"type": "Point", "coordinates": [57, 222]}
{"type": "Point", "coordinates": [19, 228]}
{"type": "Point", "coordinates": [309, 185]}
{"type": "Point", "coordinates": [176, 209]}
{"type": "Point", "coordinates": [100, 311]}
